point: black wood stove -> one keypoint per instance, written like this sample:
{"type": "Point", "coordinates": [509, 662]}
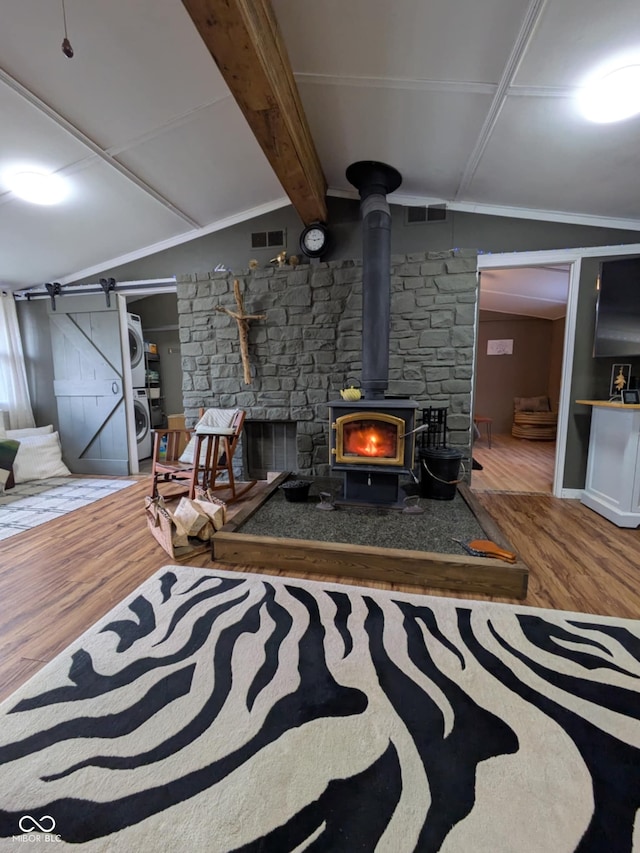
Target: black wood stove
{"type": "Point", "coordinates": [372, 443]}
{"type": "Point", "coordinates": [372, 440]}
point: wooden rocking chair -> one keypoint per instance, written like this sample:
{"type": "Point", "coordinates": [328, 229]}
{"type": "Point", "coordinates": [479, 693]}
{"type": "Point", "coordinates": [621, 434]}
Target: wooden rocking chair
{"type": "Point", "coordinates": [209, 453]}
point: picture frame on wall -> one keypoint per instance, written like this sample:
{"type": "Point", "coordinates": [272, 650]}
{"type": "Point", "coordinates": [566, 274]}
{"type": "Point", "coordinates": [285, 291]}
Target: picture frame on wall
{"type": "Point", "coordinates": [620, 376]}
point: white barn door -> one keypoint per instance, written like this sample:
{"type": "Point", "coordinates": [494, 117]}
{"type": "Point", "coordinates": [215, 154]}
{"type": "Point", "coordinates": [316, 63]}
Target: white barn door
{"type": "Point", "coordinates": [89, 384]}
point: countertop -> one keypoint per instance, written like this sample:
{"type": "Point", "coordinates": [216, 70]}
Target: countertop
{"type": "Point", "coordinates": [607, 404]}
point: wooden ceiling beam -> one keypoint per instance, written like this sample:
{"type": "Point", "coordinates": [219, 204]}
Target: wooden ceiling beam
{"type": "Point", "coordinates": [244, 40]}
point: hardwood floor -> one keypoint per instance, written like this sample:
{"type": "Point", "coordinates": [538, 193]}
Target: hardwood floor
{"type": "Point", "coordinates": [58, 579]}
{"type": "Point", "coordinates": [514, 465]}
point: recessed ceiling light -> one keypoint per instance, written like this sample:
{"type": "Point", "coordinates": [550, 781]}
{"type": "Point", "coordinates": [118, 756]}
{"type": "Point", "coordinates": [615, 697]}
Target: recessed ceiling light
{"type": "Point", "coordinates": [614, 97]}
{"type": "Point", "coordinates": [38, 187]}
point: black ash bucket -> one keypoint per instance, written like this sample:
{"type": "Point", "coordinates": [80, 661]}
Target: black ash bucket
{"type": "Point", "coordinates": [296, 491]}
{"type": "Point", "coordinates": [439, 472]}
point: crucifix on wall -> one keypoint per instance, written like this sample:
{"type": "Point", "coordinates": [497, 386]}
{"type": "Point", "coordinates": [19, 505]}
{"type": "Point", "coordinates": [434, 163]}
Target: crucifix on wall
{"type": "Point", "coordinates": [242, 319]}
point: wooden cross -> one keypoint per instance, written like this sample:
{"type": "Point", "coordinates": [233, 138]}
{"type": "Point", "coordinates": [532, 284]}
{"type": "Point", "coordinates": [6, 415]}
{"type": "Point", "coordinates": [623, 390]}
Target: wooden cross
{"type": "Point", "coordinates": [242, 320]}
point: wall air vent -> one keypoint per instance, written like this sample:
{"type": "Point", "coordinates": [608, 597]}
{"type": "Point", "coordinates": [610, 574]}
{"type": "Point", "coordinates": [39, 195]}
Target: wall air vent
{"type": "Point", "coordinates": [430, 213]}
{"type": "Point", "coordinates": [268, 239]}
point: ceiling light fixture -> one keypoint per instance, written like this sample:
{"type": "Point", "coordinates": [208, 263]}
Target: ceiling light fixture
{"type": "Point", "coordinates": [38, 187]}
{"type": "Point", "coordinates": [66, 44]}
{"type": "Point", "coordinates": [613, 97]}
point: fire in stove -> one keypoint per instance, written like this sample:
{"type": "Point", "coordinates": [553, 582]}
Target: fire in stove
{"type": "Point", "coordinates": [371, 437]}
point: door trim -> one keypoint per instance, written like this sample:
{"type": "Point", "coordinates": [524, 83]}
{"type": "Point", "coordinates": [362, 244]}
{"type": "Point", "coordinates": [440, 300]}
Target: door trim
{"type": "Point", "coordinates": [547, 257]}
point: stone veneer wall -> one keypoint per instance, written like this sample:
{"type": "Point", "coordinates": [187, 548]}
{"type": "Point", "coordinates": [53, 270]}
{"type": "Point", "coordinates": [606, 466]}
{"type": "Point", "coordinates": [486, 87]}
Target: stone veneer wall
{"type": "Point", "coordinates": [309, 345]}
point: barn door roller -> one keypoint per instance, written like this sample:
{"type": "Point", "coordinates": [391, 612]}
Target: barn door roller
{"type": "Point", "coordinates": [53, 289]}
{"type": "Point", "coordinates": [108, 285]}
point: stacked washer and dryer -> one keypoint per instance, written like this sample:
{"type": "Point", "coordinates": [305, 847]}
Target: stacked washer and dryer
{"type": "Point", "coordinates": [142, 413]}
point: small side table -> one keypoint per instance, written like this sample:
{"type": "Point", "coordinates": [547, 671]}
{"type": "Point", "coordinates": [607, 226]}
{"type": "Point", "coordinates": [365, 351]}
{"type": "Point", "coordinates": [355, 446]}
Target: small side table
{"type": "Point", "coordinates": [479, 419]}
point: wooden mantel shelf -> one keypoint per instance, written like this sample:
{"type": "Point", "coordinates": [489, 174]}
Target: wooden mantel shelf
{"type": "Point", "coordinates": [609, 404]}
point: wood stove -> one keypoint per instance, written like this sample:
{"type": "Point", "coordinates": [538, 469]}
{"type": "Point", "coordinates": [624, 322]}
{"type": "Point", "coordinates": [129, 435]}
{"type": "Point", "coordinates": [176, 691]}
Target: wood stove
{"type": "Point", "coordinates": [373, 444]}
{"type": "Point", "coordinates": [372, 440]}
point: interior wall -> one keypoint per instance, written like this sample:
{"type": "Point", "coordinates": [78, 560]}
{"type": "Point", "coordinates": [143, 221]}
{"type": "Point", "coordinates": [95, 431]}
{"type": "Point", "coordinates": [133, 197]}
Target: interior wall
{"type": "Point", "coordinates": [232, 246]}
{"type": "Point", "coordinates": [489, 234]}
{"type": "Point", "coordinates": [584, 385]}
{"type": "Point", "coordinates": [555, 361]}
{"type": "Point", "coordinates": [591, 377]}
{"type": "Point", "coordinates": [36, 344]}
{"type": "Point", "coordinates": [525, 373]}
{"type": "Point", "coordinates": [307, 344]}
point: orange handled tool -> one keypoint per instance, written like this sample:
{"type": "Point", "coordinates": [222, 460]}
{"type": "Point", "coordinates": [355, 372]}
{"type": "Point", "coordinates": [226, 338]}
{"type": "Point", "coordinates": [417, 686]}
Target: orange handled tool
{"type": "Point", "coordinates": [490, 549]}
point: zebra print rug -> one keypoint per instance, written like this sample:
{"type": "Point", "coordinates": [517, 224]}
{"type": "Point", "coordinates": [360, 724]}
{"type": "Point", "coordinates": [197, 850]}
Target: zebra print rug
{"type": "Point", "coordinates": [221, 711]}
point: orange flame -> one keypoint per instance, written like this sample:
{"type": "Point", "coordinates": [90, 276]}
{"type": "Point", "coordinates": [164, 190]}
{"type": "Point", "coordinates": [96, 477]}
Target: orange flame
{"type": "Point", "coordinates": [366, 439]}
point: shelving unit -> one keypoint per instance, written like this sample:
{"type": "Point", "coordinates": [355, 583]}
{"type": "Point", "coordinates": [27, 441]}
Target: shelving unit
{"type": "Point", "coordinates": [153, 385]}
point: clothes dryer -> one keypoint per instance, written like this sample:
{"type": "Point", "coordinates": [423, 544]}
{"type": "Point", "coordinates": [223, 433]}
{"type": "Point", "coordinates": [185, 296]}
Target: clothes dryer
{"type": "Point", "coordinates": [142, 419]}
{"type": "Point", "coordinates": [136, 350]}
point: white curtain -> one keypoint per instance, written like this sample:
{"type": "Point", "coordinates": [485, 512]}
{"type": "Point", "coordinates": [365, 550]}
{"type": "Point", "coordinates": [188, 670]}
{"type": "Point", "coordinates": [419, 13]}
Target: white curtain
{"type": "Point", "coordinates": [14, 390]}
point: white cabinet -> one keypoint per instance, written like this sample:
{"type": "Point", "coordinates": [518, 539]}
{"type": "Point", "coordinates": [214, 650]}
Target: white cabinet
{"type": "Point", "coordinates": [612, 486]}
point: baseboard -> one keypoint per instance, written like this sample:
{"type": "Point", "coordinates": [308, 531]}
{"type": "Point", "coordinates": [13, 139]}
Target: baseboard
{"type": "Point", "coordinates": [572, 494]}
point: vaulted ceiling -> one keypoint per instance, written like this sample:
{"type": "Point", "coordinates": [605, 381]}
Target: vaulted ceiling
{"type": "Point", "coordinates": [175, 119]}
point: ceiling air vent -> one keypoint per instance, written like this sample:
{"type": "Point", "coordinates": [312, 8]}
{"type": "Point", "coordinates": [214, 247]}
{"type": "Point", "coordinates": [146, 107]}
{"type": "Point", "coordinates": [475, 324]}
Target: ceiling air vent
{"type": "Point", "coordinates": [431, 213]}
{"type": "Point", "coordinates": [268, 239]}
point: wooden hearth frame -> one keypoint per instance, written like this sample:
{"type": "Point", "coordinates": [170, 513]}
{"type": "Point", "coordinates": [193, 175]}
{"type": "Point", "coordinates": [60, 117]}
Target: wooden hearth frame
{"type": "Point", "coordinates": [460, 574]}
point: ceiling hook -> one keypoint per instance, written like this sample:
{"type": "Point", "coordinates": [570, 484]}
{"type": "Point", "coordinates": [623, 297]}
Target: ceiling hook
{"type": "Point", "coordinates": [108, 285]}
{"type": "Point", "coordinates": [53, 290]}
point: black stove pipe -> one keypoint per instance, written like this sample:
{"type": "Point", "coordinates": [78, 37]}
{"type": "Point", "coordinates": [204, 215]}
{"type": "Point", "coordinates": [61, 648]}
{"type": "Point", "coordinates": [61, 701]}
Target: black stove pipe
{"type": "Point", "coordinates": [374, 181]}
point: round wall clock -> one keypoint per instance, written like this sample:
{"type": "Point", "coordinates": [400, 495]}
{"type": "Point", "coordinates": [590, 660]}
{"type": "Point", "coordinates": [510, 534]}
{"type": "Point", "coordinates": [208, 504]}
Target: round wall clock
{"type": "Point", "coordinates": [314, 240]}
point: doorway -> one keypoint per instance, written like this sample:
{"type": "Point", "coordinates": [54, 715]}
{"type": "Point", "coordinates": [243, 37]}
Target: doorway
{"type": "Point", "coordinates": [581, 378]}
{"type": "Point", "coordinates": [158, 313]}
{"type": "Point", "coordinates": [520, 356]}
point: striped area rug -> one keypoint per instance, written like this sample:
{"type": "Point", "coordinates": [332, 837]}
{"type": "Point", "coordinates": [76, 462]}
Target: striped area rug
{"type": "Point", "coordinates": [29, 504]}
{"type": "Point", "coordinates": [220, 711]}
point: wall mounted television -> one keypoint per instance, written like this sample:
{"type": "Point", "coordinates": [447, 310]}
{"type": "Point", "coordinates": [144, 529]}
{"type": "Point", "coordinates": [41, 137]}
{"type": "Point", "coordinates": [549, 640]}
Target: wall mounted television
{"type": "Point", "coordinates": [618, 309]}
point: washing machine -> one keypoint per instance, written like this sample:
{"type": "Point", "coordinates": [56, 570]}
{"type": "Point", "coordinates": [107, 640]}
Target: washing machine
{"type": "Point", "coordinates": [142, 418]}
{"type": "Point", "coordinates": [136, 350]}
